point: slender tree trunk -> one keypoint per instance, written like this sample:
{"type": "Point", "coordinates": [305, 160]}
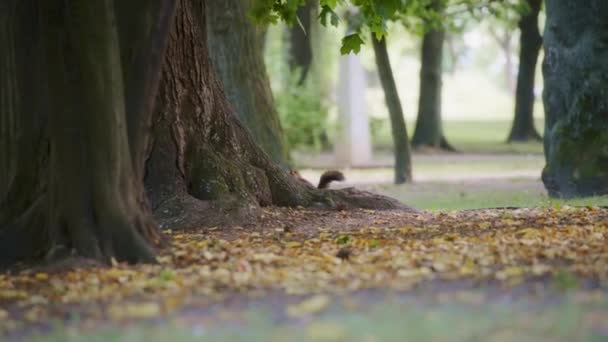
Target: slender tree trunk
{"type": "Point", "coordinates": [576, 98]}
{"type": "Point", "coordinates": [429, 131]}
{"type": "Point", "coordinates": [530, 44]}
{"type": "Point", "coordinates": [300, 51]}
{"type": "Point", "coordinates": [238, 60]}
{"type": "Point", "coordinates": [403, 159]}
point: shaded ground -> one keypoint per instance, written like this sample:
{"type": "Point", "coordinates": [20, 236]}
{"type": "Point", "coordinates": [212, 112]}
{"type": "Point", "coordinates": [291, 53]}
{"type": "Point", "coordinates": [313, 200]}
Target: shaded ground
{"type": "Point", "coordinates": [302, 262]}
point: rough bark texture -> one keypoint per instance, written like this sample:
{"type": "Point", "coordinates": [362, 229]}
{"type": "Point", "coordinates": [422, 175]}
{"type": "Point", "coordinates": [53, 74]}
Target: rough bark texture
{"type": "Point", "coordinates": [576, 98]}
{"type": "Point", "coordinates": [403, 159]}
{"type": "Point", "coordinates": [429, 131]}
{"type": "Point", "coordinates": [530, 43]}
{"type": "Point", "coordinates": [204, 167]}
{"type": "Point", "coordinates": [23, 132]}
{"type": "Point", "coordinates": [300, 49]}
{"type": "Point", "coordinates": [237, 57]}
{"type": "Point", "coordinates": [79, 194]}
{"type": "Point", "coordinates": [73, 184]}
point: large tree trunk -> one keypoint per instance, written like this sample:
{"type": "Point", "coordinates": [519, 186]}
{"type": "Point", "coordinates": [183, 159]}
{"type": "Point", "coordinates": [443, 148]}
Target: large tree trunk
{"type": "Point", "coordinates": [300, 49]}
{"type": "Point", "coordinates": [429, 131]}
{"type": "Point", "coordinates": [239, 62]}
{"type": "Point", "coordinates": [74, 185]}
{"type": "Point", "coordinates": [80, 194]}
{"type": "Point", "coordinates": [576, 98]}
{"type": "Point", "coordinates": [204, 167]}
{"type": "Point", "coordinates": [403, 159]}
{"type": "Point", "coordinates": [530, 43]}
{"type": "Point", "coordinates": [23, 132]}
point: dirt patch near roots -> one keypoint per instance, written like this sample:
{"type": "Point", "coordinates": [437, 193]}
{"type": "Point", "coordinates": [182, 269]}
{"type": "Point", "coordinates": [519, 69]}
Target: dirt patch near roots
{"type": "Point", "coordinates": [299, 252]}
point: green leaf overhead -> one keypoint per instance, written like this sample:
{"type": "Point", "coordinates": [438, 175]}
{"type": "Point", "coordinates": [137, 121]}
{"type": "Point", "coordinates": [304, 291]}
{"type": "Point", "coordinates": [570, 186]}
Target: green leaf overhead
{"type": "Point", "coordinates": [351, 43]}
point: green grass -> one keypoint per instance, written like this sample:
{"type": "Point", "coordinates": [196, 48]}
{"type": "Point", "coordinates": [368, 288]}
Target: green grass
{"type": "Point", "coordinates": [471, 136]}
{"type": "Point", "coordinates": [567, 319]}
{"type": "Point", "coordinates": [488, 137]}
{"type": "Point", "coordinates": [480, 194]}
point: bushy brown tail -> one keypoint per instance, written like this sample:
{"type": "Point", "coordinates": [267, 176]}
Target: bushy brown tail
{"type": "Point", "coordinates": [328, 177]}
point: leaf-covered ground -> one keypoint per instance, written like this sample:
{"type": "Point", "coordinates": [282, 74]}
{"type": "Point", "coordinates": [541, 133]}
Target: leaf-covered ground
{"type": "Point", "coordinates": [318, 255]}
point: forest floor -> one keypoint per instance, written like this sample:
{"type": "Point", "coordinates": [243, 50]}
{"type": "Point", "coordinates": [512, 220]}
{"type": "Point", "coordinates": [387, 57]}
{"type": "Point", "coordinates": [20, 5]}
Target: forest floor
{"type": "Point", "coordinates": [524, 274]}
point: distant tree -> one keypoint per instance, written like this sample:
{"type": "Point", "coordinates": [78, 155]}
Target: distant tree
{"type": "Point", "coordinates": [503, 36]}
{"type": "Point", "coordinates": [530, 42]}
{"type": "Point", "coordinates": [429, 130]}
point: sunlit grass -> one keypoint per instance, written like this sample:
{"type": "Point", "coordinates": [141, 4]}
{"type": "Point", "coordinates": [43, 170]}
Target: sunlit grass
{"type": "Point", "coordinates": [494, 193]}
{"type": "Point", "coordinates": [472, 136]}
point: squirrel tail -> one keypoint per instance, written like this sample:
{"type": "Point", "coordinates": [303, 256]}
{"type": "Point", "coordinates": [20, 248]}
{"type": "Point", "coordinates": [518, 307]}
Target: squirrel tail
{"type": "Point", "coordinates": [328, 177]}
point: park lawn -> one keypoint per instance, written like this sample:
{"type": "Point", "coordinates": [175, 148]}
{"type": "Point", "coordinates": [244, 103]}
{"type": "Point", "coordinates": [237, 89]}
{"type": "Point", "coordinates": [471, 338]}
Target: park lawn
{"type": "Point", "coordinates": [569, 315]}
{"type": "Point", "coordinates": [480, 136]}
{"type": "Point", "coordinates": [473, 194]}
{"type": "Point", "coordinates": [472, 136]}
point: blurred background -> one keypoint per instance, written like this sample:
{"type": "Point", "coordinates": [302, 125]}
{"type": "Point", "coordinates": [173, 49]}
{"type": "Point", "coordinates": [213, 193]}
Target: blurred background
{"type": "Point", "coordinates": [479, 74]}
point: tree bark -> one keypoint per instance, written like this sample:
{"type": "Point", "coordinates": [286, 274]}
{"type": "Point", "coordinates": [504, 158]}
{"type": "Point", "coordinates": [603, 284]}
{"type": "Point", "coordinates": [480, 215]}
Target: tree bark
{"type": "Point", "coordinates": [300, 50]}
{"type": "Point", "coordinates": [403, 159]}
{"type": "Point", "coordinates": [238, 59]}
{"type": "Point", "coordinates": [204, 167]}
{"type": "Point", "coordinates": [429, 131]}
{"type": "Point", "coordinates": [81, 195]}
{"type": "Point", "coordinates": [24, 104]}
{"type": "Point", "coordinates": [576, 98]}
{"type": "Point", "coordinates": [530, 43]}
{"type": "Point", "coordinates": [75, 188]}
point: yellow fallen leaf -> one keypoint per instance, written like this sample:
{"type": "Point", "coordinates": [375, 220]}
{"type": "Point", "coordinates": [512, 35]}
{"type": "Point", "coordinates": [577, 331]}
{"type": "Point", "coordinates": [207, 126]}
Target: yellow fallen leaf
{"type": "Point", "coordinates": [134, 310]}
{"type": "Point", "coordinates": [528, 233]}
{"type": "Point", "coordinates": [414, 272]}
{"type": "Point", "coordinates": [309, 306]}
{"type": "Point", "coordinates": [265, 257]}
{"type": "Point", "coordinates": [293, 244]}
{"type": "Point", "coordinates": [540, 269]}
{"type": "Point", "coordinates": [42, 276]}
{"type": "Point", "coordinates": [484, 225]}
{"type": "Point", "coordinates": [509, 272]}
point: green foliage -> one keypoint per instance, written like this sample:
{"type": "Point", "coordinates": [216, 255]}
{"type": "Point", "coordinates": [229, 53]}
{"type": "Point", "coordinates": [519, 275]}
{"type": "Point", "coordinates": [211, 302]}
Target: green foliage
{"type": "Point", "coordinates": [303, 115]}
{"type": "Point", "coordinates": [351, 43]}
{"type": "Point", "coordinates": [343, 239]}
{"type": "Point", "coordinates": [418, 15]}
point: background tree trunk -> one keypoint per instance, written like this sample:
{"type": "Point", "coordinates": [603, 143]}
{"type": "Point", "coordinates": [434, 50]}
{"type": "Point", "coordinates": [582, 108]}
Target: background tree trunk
{"type": "Point", "coordinates": [576, 98]}
{"type": "Point", "coordinates": [429, 131]}
{"type": "Point", "coordinates": [403, 159]}
{"type": "Point", "coordinates": [237, 57]}
{"type": "Point", "coordinates": [530, 43]}
{"type": "Point", "coordinates": [300, 49]}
